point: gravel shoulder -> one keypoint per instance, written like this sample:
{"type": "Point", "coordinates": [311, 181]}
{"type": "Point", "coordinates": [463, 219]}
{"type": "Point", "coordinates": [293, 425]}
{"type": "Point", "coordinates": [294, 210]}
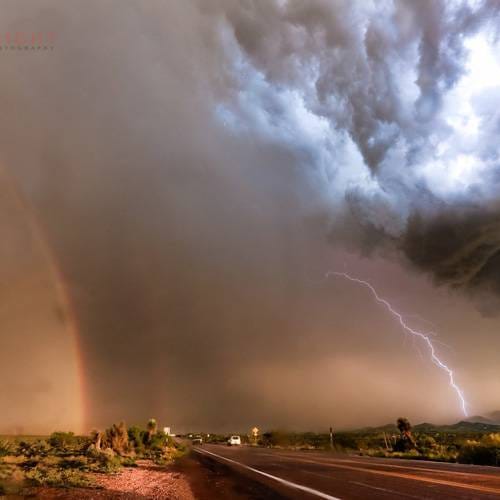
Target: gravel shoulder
{"type": "Point", "coordinates": [191, 477]}
{"type": "Point", "coordinates": [146, 481]}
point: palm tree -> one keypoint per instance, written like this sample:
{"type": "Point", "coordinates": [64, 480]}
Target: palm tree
{"type": "Point", "coordinates": [152, 428]}
{"type": "Point", "coordinates": [404, 427]}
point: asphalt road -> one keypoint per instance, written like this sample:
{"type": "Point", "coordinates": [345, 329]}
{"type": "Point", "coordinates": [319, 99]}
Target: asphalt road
{"type": "Point", "coordinates": [299, 474]}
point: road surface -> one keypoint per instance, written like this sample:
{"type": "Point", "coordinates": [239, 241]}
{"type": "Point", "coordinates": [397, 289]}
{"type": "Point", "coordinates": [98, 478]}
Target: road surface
{"type": "Point", "coordinates": [279, 474]}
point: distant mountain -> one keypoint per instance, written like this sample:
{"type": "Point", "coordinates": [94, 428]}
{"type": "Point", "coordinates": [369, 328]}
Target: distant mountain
{"type": "Point", "coordinates": [382, 428]}
{"type": "Point", "coordinates": [495, 416]}
{"type": "Point", "coordinates": [471, 425]}
{"type": "Point", "coordinates": [490, 418]}
{"type": "Point", "coordinates": [425, 427]}
{"type": "Point", "coordinates": [480, 419]}
{"type": "Point", "coordinates": [464, 426]}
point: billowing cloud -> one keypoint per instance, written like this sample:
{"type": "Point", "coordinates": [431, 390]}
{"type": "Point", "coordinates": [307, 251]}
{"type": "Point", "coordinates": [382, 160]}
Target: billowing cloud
{"type": "Point", "coordinates": [391, 105]}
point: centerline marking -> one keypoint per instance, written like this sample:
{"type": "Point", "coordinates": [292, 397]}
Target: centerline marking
{"type": "Point", "coordinates": [332, 460]}
{"type": "Point", "coordinates": [424, 479]}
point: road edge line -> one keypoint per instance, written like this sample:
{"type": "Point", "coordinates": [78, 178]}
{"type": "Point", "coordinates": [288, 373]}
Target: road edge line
{"type": "Point", "coordinates": [290, 484]}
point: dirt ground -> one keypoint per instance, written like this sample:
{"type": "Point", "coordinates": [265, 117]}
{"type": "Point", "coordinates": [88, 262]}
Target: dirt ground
{"type": "Point", "coordinates": [146, 481]}
{"type": "Point", "coordinates": [193, 477]}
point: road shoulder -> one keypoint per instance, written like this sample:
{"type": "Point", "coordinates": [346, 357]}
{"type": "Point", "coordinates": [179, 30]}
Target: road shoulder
{"type": "Point", "coordinates": [210, 479]}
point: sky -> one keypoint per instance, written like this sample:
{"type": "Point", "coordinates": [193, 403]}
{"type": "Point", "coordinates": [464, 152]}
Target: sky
{"type": "Point", "coordinates": [178, 178]}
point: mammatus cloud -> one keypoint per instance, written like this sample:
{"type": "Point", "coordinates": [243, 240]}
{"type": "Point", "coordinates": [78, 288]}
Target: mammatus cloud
{"type": "Point", "coordinates": [391, 105]}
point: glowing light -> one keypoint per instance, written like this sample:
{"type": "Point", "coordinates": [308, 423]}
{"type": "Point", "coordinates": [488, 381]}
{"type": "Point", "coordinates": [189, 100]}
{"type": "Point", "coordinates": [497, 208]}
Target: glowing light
{"type": "Point", "coordinates": [425, 337]}
{"type": "Point", "coordinates": [459, 162]}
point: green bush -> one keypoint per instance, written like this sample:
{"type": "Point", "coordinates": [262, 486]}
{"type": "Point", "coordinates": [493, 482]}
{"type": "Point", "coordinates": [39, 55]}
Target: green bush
{"type": "Point", "coordinates": [6, 470]}
{"type": "Point", "coordinates": [426, 444]}
{"type": "Point", "coordinates": [6, 447]}
{"type": "Point", "coordinates": [136, 437]}
{"type": "Point", "coordinates": [159, 441]}
{"type": "Point", "coordinates": [63, 439]}
{"type": "Point", "coordinates": [38, 448]}
{"type": "Point", "coordinates": [116, 438]}
{"type": "Point", "coordinates": [486, 451]}
{"type": "Point", "coordinates": [62, 478]}
{"type": "Point", "coordinates": [479, 454]}
{"type": "Point", "coordinates": [79, 462]}
{"type": "Point", "coordinates": [67, 442]}
{"type": "Point", "coordinates": [107, 462]}
{"type": "Point", "coordinates": [284, 439]}
{"type": "Point", "coordinates": [128, 462]}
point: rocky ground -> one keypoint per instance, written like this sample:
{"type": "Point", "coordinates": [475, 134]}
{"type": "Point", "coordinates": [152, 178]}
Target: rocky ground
{"type": "Point", "coordinates": [191, 477]}
{"type": "Point", "coordinates": [146, 481]}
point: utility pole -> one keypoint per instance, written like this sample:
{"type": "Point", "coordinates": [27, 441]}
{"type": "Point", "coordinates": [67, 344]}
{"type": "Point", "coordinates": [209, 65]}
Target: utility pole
{"type": "Point", "coordinates": [331, 438]}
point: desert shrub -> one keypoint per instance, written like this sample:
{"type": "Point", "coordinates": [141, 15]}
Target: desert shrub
{"type": "Point", "coordinates": [63, 440]}
{"type": "Point", "coordinates": [377, 453]}
{"type": "Point", "coordinates": [95, 439]}
{"type": "Point", "coordinates": [92, 451]}
{"type": "Point", "coordinates": [486, 451]}
{"type": "Point", "coordinates": [150, 441]}
{"type": "Point", "coordinates": [67, 443]}
{"type": "Point", "coordinates": [276, 438]}
{"type": "Point", "coordinates": [116, 438]}
{"type": "Point", "coordinates": [65, 478]}
{"type": "Point", "coordinates": [479, 455]}
{"type": "Point", "coordinates": [38, 448]}
{"type": "Point", "coordinates": [79, 462]}
{"type": "Point", "coordinates": [426, 444]}
{"type": "Point", "coordinates": [347, 441]}
{"type": "Point", "coordinates": [159, 441]}
{"type": "Point", "coordinates": [165, 456]}
{"type": "Point", "coordinates": [6, 470]}
{"type": "Point", "coordinates": [128, 462]}
{"type": "Point", "coordinates": [304, 440]}
{"type": "Point", "coordinates": [412, 454]}
{"type": "Point", "coordinates": [6, 447]}
{"type": "Point", "coordinates": [107, 462]}
{"type": "Point", "coordinates": [136, 438]}
{"type": "Point", "coordinates": [180, 447]}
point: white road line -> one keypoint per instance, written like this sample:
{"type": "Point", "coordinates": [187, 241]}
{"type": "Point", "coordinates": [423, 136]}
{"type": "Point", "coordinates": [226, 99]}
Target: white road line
{"type": "Point", "coordinates": [416, 468]}
{"type": "Point", "coordinates": [397, 493]}
{"type": "Point", "coordinates": [296, 486]}
{"type": "Point", "coordinates": [385, 490]}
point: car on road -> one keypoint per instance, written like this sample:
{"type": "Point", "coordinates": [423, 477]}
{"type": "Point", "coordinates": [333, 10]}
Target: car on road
{"type": "Point", "coordinates": [234, 441]}
{"type": "Point", "coordinates": [197, 440]}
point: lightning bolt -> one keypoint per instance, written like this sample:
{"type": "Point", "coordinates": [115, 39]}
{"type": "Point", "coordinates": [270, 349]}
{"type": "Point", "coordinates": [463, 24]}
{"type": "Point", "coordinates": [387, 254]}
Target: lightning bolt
{"type": "Point", "coordinates": [425, 337]}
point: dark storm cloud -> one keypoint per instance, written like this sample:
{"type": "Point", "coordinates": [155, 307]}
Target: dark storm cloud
{"type": "Point", "coordinates": [352, 53]}
{"type": "Point", "coordinates": [354, 64]}
{"type": "Point", "coordinates": [460, 249]}
{"type": "Point", "coordinates": [180, 153]}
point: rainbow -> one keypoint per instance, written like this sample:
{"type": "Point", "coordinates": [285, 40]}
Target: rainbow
{"type": "Point", "coordinates": [41, 239]}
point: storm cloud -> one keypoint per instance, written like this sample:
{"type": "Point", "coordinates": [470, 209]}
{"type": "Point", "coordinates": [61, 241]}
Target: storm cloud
{"type": "Point", "coordinates": [385, 102]}
{"type": "Point", "coordinates": [198, 165]}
